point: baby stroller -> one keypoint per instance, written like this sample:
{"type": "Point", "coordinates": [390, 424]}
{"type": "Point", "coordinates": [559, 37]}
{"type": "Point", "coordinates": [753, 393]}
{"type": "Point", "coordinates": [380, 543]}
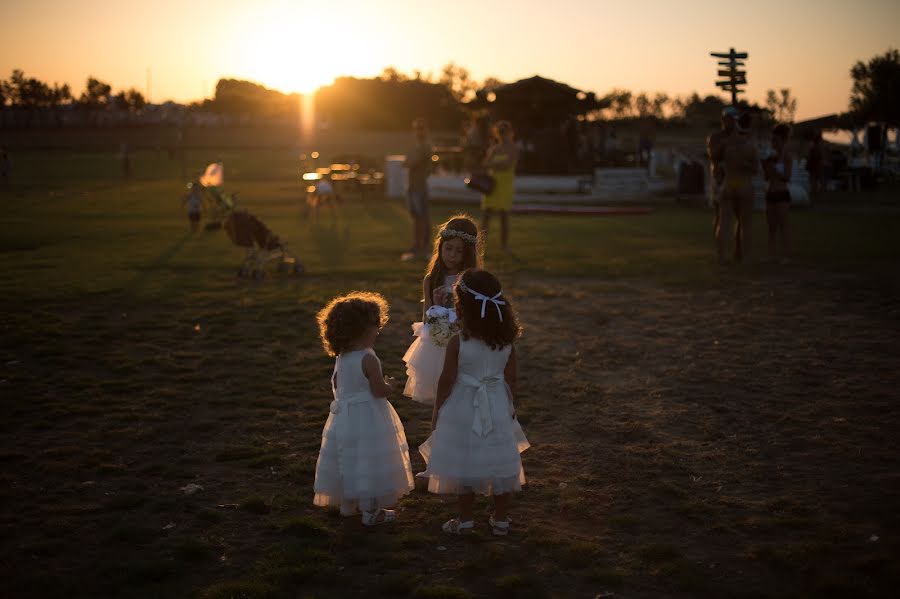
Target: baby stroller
{"type": "Point", "coordinates": [261, 244]}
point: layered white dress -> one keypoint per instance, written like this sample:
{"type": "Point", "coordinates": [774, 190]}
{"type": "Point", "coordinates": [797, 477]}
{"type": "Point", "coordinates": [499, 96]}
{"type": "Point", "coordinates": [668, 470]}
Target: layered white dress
{"type": "Point", "coordinates": [425, 357]}
{"type": "Point", "coordinates": [476, 443]}
{"type": "Point", "coordinates": [364, 457]}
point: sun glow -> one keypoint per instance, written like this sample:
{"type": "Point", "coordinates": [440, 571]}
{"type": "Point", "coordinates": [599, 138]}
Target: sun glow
{"type": "Point", "coordinates": [294, 48]}
{"type": "Point", "coordinates": [286, 55]}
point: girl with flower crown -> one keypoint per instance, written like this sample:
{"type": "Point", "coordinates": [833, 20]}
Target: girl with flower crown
{"type": "Point", "coordinates": [476, 440]}
{"type": "Point", "coordinates": [456, 248]}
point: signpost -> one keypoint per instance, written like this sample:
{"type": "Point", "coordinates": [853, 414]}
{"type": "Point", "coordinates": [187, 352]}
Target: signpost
{"type": "Point", "coordinates": [729, 69]}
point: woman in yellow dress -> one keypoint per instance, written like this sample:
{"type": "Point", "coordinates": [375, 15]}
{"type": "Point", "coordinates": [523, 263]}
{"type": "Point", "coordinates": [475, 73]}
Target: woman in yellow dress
{"type": "Point", "coordinates": [500, 162]}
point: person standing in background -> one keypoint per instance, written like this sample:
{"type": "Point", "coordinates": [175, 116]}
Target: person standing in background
{"type": "Point", "coordinates": [418, 161]}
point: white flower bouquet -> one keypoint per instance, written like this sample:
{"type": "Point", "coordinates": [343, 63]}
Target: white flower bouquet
{"type": "Point", "coordinates": [441, 324]}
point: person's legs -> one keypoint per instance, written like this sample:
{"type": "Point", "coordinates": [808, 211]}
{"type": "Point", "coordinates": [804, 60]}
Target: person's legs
{"type": "Point", "coordinates": [415, 233]}
{"type": "Point", "coordinates": [724, 226]}
{"type": "Point", "coordinates": [466, 507]}
{"type": "Point", "coordinates": [424, 229]}
{"type": "Point", "coordinates": [782, 228]}
{"type": "Point", "coordinates": [501, 507]}
{"type": "Point", "coordinates": [772, 226]}
{"type": "Point", "coordinates": [414, 205]}
{"type": "Point", "coordinates": [744, 214]}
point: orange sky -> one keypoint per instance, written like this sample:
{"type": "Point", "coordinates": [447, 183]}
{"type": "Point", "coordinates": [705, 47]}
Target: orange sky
{"type": "Point", "coordinates": [595, 45]}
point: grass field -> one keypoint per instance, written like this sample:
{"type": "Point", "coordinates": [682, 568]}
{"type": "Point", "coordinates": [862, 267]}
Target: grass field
{"type": "Point", "coordinates": [696, 431]}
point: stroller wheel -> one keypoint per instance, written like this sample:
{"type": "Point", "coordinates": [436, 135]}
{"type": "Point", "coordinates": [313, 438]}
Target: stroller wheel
{"type": "Point", "coordinates": [298, 268]}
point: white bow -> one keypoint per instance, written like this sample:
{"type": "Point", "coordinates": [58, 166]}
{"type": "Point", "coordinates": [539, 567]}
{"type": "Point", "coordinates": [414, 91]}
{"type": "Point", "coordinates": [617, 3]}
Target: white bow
{"type": "Point", "coordinates": [485, 299]}
{"type": "Point", "coordinates": [482, 423]}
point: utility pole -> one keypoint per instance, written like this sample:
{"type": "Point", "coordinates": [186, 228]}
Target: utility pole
{"type": "Point", "coordinates": [728, 68]}
{"type": "Point", "coordinates": [149, 84]}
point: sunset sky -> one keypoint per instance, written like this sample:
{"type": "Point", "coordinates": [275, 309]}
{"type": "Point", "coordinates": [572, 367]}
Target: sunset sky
{"type": "Point", "coordinates": [595, 45]}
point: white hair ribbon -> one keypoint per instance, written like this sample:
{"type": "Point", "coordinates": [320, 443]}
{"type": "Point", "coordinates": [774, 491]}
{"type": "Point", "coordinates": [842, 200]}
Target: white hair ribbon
{"type": "Point", "coordinates": [485, 299]}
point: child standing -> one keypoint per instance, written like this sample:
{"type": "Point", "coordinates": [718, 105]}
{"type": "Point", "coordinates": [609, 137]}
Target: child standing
{"type": "Point", "coordinates": [778, 168]}
{"type": "Point", "coordinates": [364, 459]}
{"type": "Point", "coordinates": [456, 248]}
{"type": "Point", "coordinates": [476, 440]}
{"type": "Point", "coordinates": [193, 200]}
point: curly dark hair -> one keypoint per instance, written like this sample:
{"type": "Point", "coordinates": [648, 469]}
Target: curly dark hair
{"type": "Point", "coordinates": [345, 318]}
{"type": "Point", "coordinates": [436, 271]}
{"type": "Point", "coordinates": [490, 329]}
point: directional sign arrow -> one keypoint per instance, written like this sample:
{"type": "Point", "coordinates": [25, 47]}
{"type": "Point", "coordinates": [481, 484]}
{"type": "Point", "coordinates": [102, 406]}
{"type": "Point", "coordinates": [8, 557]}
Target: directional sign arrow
{"type": "Point", "coordinates": [731, 55]}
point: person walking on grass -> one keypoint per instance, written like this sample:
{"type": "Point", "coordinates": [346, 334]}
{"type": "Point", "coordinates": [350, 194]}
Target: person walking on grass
{"type": "Point", "coordinates": [193, 201]}
{"type": "Point", "coordinates": [741, 164]}
{"type": "Point", "coordinates": [715, 151]}
{"type": "Point", "coordinates": [500, 162]}
{"type": "Point", "coordinates": [476, 440]}
{"type": "Point", "coordinates": [418, 161]}
{"type": "Point", "coordinates": [778, 168]}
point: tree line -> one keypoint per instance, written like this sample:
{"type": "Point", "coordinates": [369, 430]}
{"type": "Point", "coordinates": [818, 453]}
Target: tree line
{"type": "Point", "coordinates": [390, 100]}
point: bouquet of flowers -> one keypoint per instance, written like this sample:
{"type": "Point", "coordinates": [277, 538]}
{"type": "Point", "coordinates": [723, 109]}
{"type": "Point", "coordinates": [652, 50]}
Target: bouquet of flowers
{"type": "Point", "coordinates": [441, 324]}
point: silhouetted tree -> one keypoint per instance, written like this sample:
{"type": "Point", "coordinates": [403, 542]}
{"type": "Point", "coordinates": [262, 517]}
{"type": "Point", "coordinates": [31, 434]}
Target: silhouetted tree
{"type": "Point", "coordinates": [704, 112]}
{"type": "Point", "coordinates": [392, 74]}
{"type": "Point", "coordinates": [384, 104]}
{"type": "Point", "coordinates": [458, 81]}
{"type": "Point", "coordinates": [876, 89]}
{"type": "Point", "coordinates": [130, 100]}
{"type": "Point", "coordinates": [642, 105]}
{"type": "Point", "coordinates": [620, 102]}
{"type": "Point", "coordinates": [97, 94]}
{"type": "Point", "coordinates": [782, 105]}
{"type": "Point", "coordinates": [491, 83]}
{"type": "Point", "coordinates": [235, 96]}
{"type": "Point", "coordinates": [659, 104]}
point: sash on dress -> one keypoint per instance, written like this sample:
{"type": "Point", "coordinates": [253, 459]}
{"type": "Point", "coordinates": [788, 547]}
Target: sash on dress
{"type": "Point", "coordinates": [483, 422]}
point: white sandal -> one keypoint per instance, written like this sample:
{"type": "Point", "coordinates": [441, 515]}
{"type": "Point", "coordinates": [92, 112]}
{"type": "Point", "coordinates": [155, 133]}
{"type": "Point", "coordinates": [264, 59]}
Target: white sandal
{"type": "Point", "coordinates": [379, 516]}
{"type": "Point", "coordinates": [454, 526]}
{"type": "Point", "coordinates": [500, 529]}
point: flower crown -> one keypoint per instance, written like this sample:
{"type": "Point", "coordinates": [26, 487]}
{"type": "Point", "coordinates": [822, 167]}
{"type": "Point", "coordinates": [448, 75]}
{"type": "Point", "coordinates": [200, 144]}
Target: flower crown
{"type": "Point", "coordinates": [446, 233]}
{"type": "Point", "coordinates": [480, 297]}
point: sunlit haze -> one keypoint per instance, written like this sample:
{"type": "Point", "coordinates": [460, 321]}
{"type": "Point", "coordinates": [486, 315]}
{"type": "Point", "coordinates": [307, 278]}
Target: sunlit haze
{"type": "Point", "coordinates": [178, 50]}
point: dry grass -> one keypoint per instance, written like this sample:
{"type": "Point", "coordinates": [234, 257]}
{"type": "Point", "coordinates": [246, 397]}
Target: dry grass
{"type": "Point", "coordinates": [695, 432]}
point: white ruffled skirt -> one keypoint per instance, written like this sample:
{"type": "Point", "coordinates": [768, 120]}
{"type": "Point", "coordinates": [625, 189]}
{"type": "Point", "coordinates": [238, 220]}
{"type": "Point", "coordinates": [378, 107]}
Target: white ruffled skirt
{"type": "Point", "coordinates": [460, 460]}
{"type": "Point", "coordinates": [424, 363]}
{"type": "Point", "coordinates": [364, 457]}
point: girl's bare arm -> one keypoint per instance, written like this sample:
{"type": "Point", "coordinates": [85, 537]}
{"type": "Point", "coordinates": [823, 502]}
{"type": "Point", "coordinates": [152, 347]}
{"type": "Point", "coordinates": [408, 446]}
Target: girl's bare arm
{"type": "Point", "coordinates": [371, 367]}
{"type": "Point", "coordinates": [426, 294]}
{"type": "Point", "coordinates": [511, 374]}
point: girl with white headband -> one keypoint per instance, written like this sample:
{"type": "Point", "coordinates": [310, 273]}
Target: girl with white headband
{"type": "Point", "coordinates": [456, 248]}
{"type": "Point", "coordinates": [476, 441]}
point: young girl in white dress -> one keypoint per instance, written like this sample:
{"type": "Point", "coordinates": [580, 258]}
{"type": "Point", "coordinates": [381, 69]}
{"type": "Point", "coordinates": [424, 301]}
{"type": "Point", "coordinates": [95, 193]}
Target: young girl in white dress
{"type": "Point", "coordinates": [364, 459]}
{"type": "Point", "coordinates": [476, 440]}
{"type": "Point", "coordinates": [456, 248]}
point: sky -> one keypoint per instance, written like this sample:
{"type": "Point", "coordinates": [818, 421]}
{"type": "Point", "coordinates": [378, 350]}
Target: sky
{"type": "Point", "coordinates": [177, 50]}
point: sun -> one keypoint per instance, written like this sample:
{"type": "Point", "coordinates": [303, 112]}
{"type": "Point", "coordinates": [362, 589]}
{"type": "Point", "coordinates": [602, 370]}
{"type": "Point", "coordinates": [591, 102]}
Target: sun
{"type": "Point", "coordinates": [286, 51]}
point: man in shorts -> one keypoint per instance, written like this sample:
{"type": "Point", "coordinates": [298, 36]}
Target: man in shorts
{"type": "Point", "coordinates": [418, 161]}
{"type": "Point", "coordinates": [741, 162]}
